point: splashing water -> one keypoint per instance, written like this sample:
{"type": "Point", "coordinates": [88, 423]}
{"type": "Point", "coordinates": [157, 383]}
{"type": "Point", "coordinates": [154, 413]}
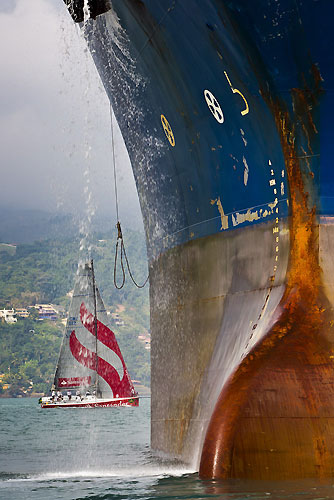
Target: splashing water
{"type": "Point", "coordinates": [86, 11]}
{"type": "Point", "coordinates": [104, 454]}
{"type": "Point", "coordinates": [126, 88]}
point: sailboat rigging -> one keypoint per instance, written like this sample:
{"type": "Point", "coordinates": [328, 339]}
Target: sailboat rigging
{"type": "Point", "coordinates": [95, 331]}
{"type": "Point", "coordinates": [90, 360]}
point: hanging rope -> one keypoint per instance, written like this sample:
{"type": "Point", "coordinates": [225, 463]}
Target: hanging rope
{"type": "Point", "coordinates": [120, 240]}
{"type": "Point", "coordinates": [114, 161]}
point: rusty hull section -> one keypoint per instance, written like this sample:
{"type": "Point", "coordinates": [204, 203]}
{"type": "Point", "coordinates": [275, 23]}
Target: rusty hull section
{"type": "Point", "coordinates": [274, 417]}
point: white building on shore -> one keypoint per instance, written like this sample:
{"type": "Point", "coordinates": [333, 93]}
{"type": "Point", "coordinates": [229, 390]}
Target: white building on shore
{"type": "Point", "coordinates": [8, 315]}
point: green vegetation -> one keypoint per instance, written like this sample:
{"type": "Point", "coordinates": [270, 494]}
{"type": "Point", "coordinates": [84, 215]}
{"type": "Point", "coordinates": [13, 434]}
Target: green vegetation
{"type": "Point", "coordinates": [11, 249]}
{"type": "Point", "coordinates": [29, 350]}
{"type": "Point", "coordinates": [44, 272]}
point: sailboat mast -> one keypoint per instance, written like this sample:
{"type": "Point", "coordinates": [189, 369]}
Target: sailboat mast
{"type": "Point", "coordinates": [95, 329]}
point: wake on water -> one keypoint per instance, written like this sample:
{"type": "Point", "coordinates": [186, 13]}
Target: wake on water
{"type": "Point", "coordinates": [126, 473]}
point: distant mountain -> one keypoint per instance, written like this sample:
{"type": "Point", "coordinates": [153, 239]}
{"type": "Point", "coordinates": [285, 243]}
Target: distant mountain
{"type": "Point", "coordinates": [26, 226]}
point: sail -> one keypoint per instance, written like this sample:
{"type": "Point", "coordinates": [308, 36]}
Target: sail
{"type": "Point", "coordinates": [90, 355]}
{"type": "Point", "coordinates": [113, 376]}
{"type": "Point", "coordinates": [69, 372]}
{"type": "Point", "coordinates": [122, 385]}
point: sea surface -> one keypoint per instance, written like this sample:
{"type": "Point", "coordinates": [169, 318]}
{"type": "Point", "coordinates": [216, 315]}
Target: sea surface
{"type": "Point", "coordinates": [104, 453]}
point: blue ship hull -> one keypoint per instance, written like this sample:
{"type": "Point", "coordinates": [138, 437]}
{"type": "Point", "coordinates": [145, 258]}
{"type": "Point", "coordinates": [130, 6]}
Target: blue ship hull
{"type": "Point", "coordinates": [225, 108]}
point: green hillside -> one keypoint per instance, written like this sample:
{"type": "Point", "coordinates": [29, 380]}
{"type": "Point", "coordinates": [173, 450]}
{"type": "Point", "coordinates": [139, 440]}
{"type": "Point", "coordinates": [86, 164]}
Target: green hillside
{"type": "Point", "coordinates": [44, 272]}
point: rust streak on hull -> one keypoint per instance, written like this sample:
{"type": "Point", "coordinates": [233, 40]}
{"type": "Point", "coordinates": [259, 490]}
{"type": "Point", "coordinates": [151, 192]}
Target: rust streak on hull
{"type": "Point", "coordinates": [275, 417]}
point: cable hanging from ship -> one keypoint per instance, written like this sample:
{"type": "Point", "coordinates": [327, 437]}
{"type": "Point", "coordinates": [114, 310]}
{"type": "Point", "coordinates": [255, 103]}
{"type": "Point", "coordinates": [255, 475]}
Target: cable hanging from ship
{"type": "Point", "coordinates": [120, 239]}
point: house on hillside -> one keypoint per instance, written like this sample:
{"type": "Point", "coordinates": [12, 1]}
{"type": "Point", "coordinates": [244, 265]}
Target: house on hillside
{"type": "Point", "coordinates": [145, 338]}
{"type": "Point", "coordinates": [8, 315]}
{"type": "Point", "coordinates": [117, 320]}
{"type": "Point", "coordinates": [46, 311]}
{"type": "Point", "coordinates": [22, 312]}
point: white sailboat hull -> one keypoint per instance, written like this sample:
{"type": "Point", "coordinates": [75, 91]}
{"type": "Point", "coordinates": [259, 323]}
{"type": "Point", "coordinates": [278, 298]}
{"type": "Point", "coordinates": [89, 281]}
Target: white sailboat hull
{"type": "Point", "coordinates": [92, 403]}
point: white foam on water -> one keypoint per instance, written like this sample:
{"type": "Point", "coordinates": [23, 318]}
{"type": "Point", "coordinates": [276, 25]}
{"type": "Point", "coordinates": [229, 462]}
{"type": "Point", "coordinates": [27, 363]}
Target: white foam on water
{"type": "Point", "coordinates": [130, 473]}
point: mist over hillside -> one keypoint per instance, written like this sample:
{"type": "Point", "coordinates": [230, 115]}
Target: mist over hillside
{"type": "Point", "coordinates": [27, 226]}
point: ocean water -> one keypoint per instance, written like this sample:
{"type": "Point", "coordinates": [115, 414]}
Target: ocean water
{"type": "Point", "coordinates": [104, 453]}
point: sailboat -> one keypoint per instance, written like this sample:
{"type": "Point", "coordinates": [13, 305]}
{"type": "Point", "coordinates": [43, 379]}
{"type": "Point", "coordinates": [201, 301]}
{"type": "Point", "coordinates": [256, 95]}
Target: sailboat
{"type": "Point", "coordinates": [91, 371]}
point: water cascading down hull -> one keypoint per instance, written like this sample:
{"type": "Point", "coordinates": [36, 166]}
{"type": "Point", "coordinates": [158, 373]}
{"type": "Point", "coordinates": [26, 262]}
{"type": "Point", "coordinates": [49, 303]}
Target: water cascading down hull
{"type": "Point", "coordinates": [225, 109]}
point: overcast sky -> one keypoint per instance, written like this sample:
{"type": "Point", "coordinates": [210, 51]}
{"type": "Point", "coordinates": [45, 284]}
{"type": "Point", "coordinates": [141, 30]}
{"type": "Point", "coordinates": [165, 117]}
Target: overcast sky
{"type": "Point", "coordinates": [54, 117]}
